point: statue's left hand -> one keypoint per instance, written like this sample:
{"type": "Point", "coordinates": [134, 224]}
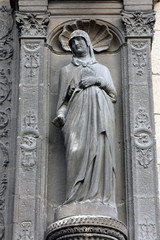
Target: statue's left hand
{"type": "Point", "coordinates": [87, 82]}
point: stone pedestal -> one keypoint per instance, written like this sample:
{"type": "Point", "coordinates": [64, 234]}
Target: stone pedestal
{"type": "Point", "coordinates": [85, 208]}
{"type": "Point", "coordinates": [87, 227]}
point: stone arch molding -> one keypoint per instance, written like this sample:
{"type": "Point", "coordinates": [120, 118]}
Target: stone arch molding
{"type": "Point", "coordinates": [104, 36]}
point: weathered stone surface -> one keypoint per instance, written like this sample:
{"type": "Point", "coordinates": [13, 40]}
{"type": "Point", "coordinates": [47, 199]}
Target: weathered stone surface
{"type": "Point", "coordinates": [32, 24]}
{"type": "Point", "coordinates": [156, 80]}
{"type": "Point", "coordinates": [143, 152]}
{"type": "Point", "coordinates": [156, 92]}
{"type": "Point", "coordinates": [155, 56]}
{"type": "Point", "coordinates": [28, 5]}
{"type": "Point", "coordinates": [157, 128]}
{"type": "Point", "coordinates": [30, 172]}
{"type": "Point", "coordinates": [7, 137]}
{"type": "Point", "coordinates": [131, 5]}
{"type": "Point", "coordinates": [138, 23]}
{"type": "Point", "coordinates": [64, 8]}
{"type": "Point", "coordinates": [40, 161]}
{"type": "Point", "coordinates": [87, 227]}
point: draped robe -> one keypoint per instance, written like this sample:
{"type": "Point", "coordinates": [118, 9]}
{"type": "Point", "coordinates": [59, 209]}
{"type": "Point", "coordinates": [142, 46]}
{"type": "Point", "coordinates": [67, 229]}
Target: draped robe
{"type": "Point", "coordinates": [89, 134]}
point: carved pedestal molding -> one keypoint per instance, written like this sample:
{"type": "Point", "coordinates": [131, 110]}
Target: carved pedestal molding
{"type": "Point", "coordinates": [6, 55]}
{"type": "Point", "coordinates": [30, 175]}
{"type": "Point", "coordinates": [87, 227]}
{"type": "Point", "coordinates": [141, 163]}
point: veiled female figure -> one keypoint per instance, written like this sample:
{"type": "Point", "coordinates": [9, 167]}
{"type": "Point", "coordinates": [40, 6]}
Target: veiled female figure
{"type": "Point", "coordinates": [85, 112]}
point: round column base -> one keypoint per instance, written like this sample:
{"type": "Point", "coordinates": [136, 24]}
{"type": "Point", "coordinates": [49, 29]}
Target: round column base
{"type": "Point", "coordinates": [87, 228]}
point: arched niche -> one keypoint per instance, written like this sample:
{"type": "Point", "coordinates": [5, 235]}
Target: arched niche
{"type": "Point", "coordinates": [57, 57]}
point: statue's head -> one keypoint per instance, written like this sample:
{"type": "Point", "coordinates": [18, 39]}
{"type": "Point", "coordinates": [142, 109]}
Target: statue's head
{"type": "Point", "coordinates": [80, 43]}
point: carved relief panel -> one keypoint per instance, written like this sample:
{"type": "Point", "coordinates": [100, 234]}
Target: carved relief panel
{"type": "Point", "coordinates": [142, 144]}
{"type": "Point", "coordinates": [143, 138]}
{"type": "Point", "coordinates": [29, 141]}
{"type": "Point", "coordinates": [6, 54]}
{"type": "Point", "coordinates": [30, 154]}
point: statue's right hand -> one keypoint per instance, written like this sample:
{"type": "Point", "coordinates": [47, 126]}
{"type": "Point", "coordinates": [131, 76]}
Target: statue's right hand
{"type": "Point", "coordinates": [59, 121]}
{"type": "Point", "coordinates": [70, 92]}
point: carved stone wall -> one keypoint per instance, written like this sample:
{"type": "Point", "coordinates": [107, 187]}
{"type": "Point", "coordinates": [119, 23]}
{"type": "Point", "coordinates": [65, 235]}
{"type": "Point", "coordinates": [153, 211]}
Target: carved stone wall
{"type": "Point", "coordinates": [6, 123]}
{"type": "Point", "coordinates": [28, 141]}
{"type": "Point", "coordinates": [30, 174]}
{"type": "Point", "coordinates": [143, 204]}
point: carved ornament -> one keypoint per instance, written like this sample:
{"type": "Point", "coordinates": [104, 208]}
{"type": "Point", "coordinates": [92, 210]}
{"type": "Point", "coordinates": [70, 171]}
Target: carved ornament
{"type": "Point", "coordinates": [79, 227]}
{"type": "Point", "coordinates": [4, 155]}
{"type": "Point", "coordinates": [143, 138]}
{"type": "Point", "coordinates": [32, 46]}
{"type": "Point", "coordinates": [139, 53]}
{"type": "Point", "coordinates": [4, 118]}
{"type": "Point", "coordinates": [138, 23]}
{"type": "Point", "coordinates": [2, 190]}
{"type": "Point", "coordinates": [147, 230]}
{"type": "Point", "coordinates": [29, 141]}
{"type": "Point", "coordinates": [25, 233]}
{"type": "Point", "coordinates": [4, 86]}
{"type": "Point", "coordinates": [6, 50]}
{"type": "Point", "coordinates": [32, 63]}
{"type": "Point", "coordinates": [32, 25]}
{"type": "Point", "coordinates": [30, 121]}
{"type": "Point", "coordinates": [2, 228]}
{"type": "Point", "coordinates": [99, 34]}
{"type": "Point", "coordinates": [6, 21]}
{"type": "Point", "coordinates": [32, 58]}
{"type": "Point", "coordinates": [6, 53]}
{"type": "Point", "coordinates": [3, 185]}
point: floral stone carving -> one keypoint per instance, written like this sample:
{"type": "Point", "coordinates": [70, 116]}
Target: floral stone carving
{"type": "Point", "coordinates": [32, 63]}
{"type": "Point", "coordinates": [32, 58]}
{"type": "Point", "coordinates": [143, 138]}
{"type": "Point", "coordinates": [147, 230]}
{"type": "Point", "coordinates": [2, 228]}
{"type": "Point", "coordinates": [6, 54]}
{"type": "Point", "coordinates": [138, 23]}
{"type": "Point", "coordinates": [31, 24]}
{"type": "Point", "coordinates": [6, 21]}
{"type": "Point", "coordinates": [3, 119]}
{"type": "Point", "coordinates": [6, 50]}
{"type": "Point", "coordinates": [139, 54]}
{"type": "Point", "coordinates": [25, 231]}
{"type": "Point", "coordinates": [29, 141]}
{"type": "Point", "coordinates": [99, 34]}
{"type": "Point", "coordinates": [4, 86]}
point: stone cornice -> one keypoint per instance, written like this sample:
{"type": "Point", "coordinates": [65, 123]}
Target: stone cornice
{"type": "Point", "coordinates": [138, 24]}
{"type": "Point", "coordinates": [32, 25]}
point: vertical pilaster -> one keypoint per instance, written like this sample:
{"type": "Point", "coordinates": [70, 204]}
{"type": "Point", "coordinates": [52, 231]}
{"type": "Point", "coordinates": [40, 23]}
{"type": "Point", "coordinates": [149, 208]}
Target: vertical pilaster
{"type": "Point", "coordinates": [141, 163]}
{"type": "Point", "coordinates": [29, 215]}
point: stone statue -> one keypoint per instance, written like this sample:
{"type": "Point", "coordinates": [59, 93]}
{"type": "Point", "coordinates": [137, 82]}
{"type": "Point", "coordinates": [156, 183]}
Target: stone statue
{"type": "Point", "coordinates": [85, 114]}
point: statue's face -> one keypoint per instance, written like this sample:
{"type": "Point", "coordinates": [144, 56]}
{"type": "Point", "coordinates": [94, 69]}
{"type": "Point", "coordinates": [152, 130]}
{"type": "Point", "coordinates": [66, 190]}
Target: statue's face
{"type": "Point", "coordinates": [79, 46]}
